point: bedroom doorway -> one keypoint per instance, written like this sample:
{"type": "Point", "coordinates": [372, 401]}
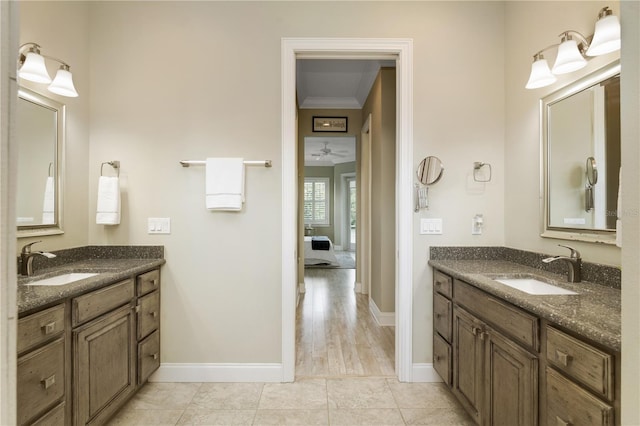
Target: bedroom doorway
{"type": "Point", "coordinates": [400, 51]}
{"type": "Point", "coordinates": [341, 316]}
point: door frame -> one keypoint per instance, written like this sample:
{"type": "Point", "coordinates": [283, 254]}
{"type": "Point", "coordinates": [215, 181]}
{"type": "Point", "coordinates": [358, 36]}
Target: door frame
{"type": "Point", "coordinates": [345, 212]}
{"type": "Point", "coordinates": [400, 50]}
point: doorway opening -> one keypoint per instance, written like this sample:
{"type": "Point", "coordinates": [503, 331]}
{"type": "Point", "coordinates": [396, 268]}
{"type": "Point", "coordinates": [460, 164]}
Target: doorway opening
{"type": "Point", "coordinates": [399, 50]}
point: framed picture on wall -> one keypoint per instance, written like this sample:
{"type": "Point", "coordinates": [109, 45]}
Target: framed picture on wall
{"type": "Point", "coordinates": [329, 124]}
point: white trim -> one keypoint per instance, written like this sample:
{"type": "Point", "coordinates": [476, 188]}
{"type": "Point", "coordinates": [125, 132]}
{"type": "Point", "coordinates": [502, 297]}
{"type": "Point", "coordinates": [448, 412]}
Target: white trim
{"type": "Point", "coordinates": [384, 319]}
{"type": "Point", "coordinates": [302, 287]}
{"type": "Point", "coordinates": [357, 287]}
{"type": "Point", "coordinates": [330, 48]}
{"type": "Point", "coordinates": [425, 373]}
{"type": "Point", "coordinates": [222, 372]}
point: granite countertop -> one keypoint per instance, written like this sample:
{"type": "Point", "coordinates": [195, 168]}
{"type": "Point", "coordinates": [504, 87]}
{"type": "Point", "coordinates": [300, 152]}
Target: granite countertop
{"type": "Point", "coordinates": [593, 313]}
{"type": "Point", "coordinates": [111, 266]}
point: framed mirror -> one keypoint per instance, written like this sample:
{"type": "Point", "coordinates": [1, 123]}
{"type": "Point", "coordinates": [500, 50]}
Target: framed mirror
{"type": "Point", "coordinates": [40, 132]}
{"type": "Point", "coordinates": [581, 158]}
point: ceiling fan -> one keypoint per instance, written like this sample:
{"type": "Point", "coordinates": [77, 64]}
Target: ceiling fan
{"type": "Point", "coordinates": [326, 151]}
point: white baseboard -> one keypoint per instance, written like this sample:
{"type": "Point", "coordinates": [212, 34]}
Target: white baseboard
{"type": "Point", "coordinates": [357, 287]}
{"type": "Point", "coordinates": [172, 372]}
{"type": "Point", "coordinates": [337, 248]}
{"type": "Point", "coordinates": [425, 373]}
{"type": "Point", "coordinates": [382, 318]}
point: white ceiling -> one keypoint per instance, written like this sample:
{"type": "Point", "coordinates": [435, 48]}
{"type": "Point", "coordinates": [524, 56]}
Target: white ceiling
{"type": "Point", "coordinates": [334, 84]}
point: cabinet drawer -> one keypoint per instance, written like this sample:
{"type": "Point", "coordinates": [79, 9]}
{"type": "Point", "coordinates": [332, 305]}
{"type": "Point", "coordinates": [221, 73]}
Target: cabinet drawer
{"type": "Point", "coordinates": [148, 314]}
{"type": "Point", "coordinates": [519, 325]}
{"type": "Point", "coordinates": [55, 417]}
{"type": "Point", "coordinates": [98, 302]}
{"type": "Point", "coordinates": [148, 356]}
{"type": "Point", "coordinates": [588, 365]}
{"type": "Point", "coordinates": [40, 327]}
{"type": "Point", "coordinates": [442, 358]}
{"type": "Point", "coordinates": [442, 283]}
{"type": "Point", "coordinates": [40, 379]}
{"type": "Point", "coordinates": [148, 282]}
{"type": "Point", "coordinates": [569, 404]}
{"type": "Point", "coordinates": [442, 316]}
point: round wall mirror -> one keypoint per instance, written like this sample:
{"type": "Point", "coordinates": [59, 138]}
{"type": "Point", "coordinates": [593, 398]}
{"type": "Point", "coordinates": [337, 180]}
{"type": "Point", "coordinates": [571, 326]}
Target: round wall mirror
{"type": "Point", "coordinates": [592, 171]}
{"type": "Point", "coordinates": [430, 170]}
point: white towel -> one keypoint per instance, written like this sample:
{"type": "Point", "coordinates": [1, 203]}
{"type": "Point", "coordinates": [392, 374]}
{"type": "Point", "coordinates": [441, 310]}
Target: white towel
{"type": "Point", "coordinates": [108, 211]}
{"type": "Point", "coordinates": [224, 185]}
{"type": "Point", "coordinates": [49, 201]}
{"type": "Point", "coordinates": [619, 212]}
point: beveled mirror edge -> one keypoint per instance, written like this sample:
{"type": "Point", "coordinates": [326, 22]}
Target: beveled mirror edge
{"type": "Point", "coordinates": [574, 234]}
{"type": "Point", "coordinates": [58, 227]}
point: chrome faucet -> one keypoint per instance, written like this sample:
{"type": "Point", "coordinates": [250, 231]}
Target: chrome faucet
{"type": "Point", "coordinates": [574, 261]}
{"type": "Point", "coordinates": [26, 258]}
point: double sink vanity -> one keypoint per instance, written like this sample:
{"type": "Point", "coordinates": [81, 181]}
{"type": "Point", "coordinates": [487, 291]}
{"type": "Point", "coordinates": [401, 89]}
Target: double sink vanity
{"type": "Point", "coordinates": [88, 332]}
{"type": "Point", "coordinates": [517, 343]}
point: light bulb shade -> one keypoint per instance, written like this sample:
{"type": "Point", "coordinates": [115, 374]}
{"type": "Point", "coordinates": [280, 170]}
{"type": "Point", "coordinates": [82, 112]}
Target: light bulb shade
{"type": "Point", "coordinates": [607, 36]}
{"type": "Point", "coordinates": [569, 58]}
{"type": "Point", "coordinates": [63, 84]}
{"type": "Point", "coordinates": [540, 75]}
{"type": "Point", "coordinates": [34, 69]}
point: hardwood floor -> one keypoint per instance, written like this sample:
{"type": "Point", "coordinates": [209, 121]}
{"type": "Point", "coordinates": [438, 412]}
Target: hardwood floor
{"type": "Point", "coordinates": [336, 335]}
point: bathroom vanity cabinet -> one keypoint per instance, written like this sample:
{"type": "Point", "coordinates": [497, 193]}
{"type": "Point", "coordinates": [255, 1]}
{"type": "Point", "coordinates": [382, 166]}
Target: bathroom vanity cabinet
{"type": "Point", "coordinates": [506, 365]}
{"type": "Point", "coordinates": [80, 360]}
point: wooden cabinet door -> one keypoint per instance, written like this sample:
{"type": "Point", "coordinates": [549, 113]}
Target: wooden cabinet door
{"type": "Point", "coordinates": [468, 362]}
{"type": "Point", "coordinates": [511, 384]}
{"type": "Point", "coordinates": [104, 365]}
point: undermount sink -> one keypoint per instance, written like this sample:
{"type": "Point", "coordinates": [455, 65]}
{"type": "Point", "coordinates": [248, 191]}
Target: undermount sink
{"type": "Point", "coordinates": [533, 286]}
{"type": "Point", "coordinates": [63, 279]}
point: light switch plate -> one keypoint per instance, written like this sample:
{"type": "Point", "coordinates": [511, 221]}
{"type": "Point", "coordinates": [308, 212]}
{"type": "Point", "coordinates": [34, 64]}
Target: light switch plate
{"type": "Point", "coordinates": [159, 225]}
{"type": "Point", "coordinates": [431, 226]}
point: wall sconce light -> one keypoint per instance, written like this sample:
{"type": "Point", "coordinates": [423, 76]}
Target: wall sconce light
{"type": "Point", "coordinates": [32, 67]}
{"type": "Point", "coordinates": [574, 49]}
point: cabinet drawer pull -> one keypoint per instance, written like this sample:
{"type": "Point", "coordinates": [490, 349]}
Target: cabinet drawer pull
{"type": "Point", "coordinates": [154, 356]}
{"type": "Point", "coordinates": [438, 315]}
{"type": "Point", "coordinates": [563, 358]}
{"type": "Point", "coordinates": [153, 314]}
{"type": "Point", "coordinates": [137, 309]}
{"type": "Point", "coordinates": [48, 382]}
{"type": "Point", "coordinates": [48, 328]}
{"type": "Point", "coordinates": [154, 282]}
{"type": "Point", "coordinates": [560, 422]}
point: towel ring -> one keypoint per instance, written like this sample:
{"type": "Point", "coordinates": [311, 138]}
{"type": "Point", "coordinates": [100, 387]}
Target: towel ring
{"type": "Point", "coordinates": [115, 164]}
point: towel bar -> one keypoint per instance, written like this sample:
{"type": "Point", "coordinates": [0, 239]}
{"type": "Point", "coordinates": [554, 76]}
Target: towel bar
{"type": "Point", "coordinates": [187, 163]}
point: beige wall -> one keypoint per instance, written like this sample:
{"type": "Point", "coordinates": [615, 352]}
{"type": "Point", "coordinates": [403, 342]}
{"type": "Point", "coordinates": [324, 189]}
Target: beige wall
{"type": "Point", "coordinates": [381, 104]}
{"type": "Point", "coordinates": [171, 81]}
{"type": "Point", "coordinates": [62, 31]}
{"type": "Point", "coordinates": [629, 113]}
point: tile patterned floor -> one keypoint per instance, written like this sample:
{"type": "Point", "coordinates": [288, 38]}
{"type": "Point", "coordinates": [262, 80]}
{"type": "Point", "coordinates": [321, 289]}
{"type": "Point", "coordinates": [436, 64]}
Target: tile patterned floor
{"type": "Point", "coordinates": [357, 388]}
{"type": "Point", "coordinates": [313, 401]}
